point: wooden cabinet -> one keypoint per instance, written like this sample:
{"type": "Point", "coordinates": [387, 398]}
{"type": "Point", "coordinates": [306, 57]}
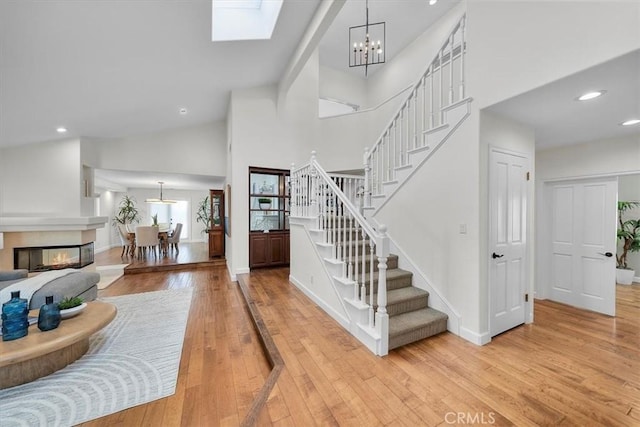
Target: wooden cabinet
{"type": "Point", "coordinates": [216, 232]}
{"type": "Point", "coordinates": [269, 206]}
{"type": "Point", "coordinates": [268, 249]}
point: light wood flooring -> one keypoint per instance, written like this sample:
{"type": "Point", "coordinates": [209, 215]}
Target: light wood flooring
{"type": "Point", "coordinates": [190, 256]}
{"type": "Point", "coordinates": [570, 367]}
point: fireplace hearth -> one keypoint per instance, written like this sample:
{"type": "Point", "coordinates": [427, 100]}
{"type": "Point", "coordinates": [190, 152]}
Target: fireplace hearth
{"type": "Point", "coordinates": [44, 258]}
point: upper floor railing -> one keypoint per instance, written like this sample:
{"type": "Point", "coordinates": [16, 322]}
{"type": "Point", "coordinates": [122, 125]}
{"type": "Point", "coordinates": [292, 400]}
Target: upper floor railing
{"type": "Point", "coordinates": [441, 85]}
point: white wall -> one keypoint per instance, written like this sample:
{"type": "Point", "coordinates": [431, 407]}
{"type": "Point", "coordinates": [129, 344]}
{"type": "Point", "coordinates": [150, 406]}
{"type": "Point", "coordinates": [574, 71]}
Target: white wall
{"type": "Point", "coordinates": [629, 190]}
{"type": "Point", "coordinates": [106, 237]}
{"type": "Point", "coordinates": [309, 273]}
{"type": "Point", "coordinates": [515, 46]}
{"type": "Point", "coordinates": [615, 156]}
{"type": "Point", "coordinates": [257, 141]}
{"type": "Point", "coordinates": [195, 150]}
{"type": "Point", "coordinates": [42, 179]}
{"type": "Point", "coordinates": [341, 86]}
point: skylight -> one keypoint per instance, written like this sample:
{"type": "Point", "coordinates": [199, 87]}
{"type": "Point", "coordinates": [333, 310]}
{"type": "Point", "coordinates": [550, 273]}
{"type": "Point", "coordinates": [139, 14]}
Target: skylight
{"type": "Point", "coordinates": [244, 19]}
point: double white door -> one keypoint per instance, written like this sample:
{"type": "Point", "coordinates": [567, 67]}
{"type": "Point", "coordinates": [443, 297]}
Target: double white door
{"type": "Point", "coordinates": [583, 243]}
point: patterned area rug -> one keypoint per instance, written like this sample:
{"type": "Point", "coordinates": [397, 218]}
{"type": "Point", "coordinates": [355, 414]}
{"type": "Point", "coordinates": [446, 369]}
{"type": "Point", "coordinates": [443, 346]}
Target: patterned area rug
{"type": "Point", "coordinates": [134, 360]}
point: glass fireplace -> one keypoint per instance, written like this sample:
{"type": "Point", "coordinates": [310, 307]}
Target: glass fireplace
{"type": "Point", "coordinates": [45, 258]}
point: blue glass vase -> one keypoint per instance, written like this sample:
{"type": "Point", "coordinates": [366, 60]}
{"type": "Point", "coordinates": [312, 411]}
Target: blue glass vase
{"type": "Point", "coordinates": [15, 313]}
{"type": "Point", "coordinates": [49, 317]}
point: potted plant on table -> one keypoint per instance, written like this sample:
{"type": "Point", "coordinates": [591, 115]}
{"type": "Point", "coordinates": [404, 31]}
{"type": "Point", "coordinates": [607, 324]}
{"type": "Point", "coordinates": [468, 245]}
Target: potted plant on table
{"type": "Point", "coordinates": [629, 234]}
{"type": "Point", "coordinates": [264, 202]}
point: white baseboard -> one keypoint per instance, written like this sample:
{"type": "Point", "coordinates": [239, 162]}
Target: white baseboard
{"type": "Point", "coordinates": [343, 321]}
{"type": "Point", "coordinates": [474, 337]}
{"type": "Point", "coordinates": [234, 274]}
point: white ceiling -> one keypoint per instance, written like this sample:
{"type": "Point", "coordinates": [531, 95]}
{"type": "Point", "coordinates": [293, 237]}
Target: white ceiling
{"type": "Point", "coordinates": [558, 119]}
{"type": "Point", "coordinates": [118, 180]}
{"type": "Point", "coordinates": [405, 21]}
{"type": "Point", "coordinates": [118, 68]}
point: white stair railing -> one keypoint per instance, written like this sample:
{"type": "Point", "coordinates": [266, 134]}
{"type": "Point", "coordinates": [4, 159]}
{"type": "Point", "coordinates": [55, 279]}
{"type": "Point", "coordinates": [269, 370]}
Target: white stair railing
{"type": "Point", "coordinates": [441, 86]}
{"type": "Point", "coordinates": [353, 241]}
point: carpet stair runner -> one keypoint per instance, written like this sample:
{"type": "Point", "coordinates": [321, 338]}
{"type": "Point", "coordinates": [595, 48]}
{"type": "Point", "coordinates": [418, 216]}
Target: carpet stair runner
{"type": "Point", "coordinates": [410, 317]}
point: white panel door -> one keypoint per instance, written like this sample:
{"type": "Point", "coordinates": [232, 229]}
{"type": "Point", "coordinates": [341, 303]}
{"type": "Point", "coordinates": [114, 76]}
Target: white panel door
{"type": "Point", "coordinates": [583, 241]}
{"type": "Point", "coordinates": [508, 238]}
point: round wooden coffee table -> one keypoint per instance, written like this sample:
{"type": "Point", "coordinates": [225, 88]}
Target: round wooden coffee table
{"type": "Point", "coordinates": [42, 353]}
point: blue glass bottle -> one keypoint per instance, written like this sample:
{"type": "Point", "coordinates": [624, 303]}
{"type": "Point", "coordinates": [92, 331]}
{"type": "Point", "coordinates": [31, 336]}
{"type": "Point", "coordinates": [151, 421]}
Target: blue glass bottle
{"type": "Point", "coordinates": [49, 317]}
{"type": "Point", "coordinates": [15, 313]}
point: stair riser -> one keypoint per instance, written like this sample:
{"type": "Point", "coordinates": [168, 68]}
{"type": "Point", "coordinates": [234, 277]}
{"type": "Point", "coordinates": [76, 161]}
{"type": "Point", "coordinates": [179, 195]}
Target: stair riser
{"type": "Point", "coordinates": [425, 331]}
{"type": "Point", "coordinates": [413, 304]}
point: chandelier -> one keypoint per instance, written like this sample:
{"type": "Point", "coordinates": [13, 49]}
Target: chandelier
{"type": "Point", "coordinates": [161, 201]}
{"type": "Point", "coordinates": [366, 43]}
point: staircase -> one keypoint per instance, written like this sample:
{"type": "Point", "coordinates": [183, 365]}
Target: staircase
{"type": "Point", "coordinates": [371, 295]}
{"type": "Point", "coordinates": [410, 318]}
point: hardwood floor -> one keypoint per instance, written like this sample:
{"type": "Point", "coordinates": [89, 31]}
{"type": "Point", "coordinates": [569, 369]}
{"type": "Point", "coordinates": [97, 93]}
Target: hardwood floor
{"type": "Point", "coordinates": [190, 256]}
{"type": "Point", "coordinates": [571, 367]}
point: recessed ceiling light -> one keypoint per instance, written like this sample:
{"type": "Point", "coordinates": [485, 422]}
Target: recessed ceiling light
{"type": "Point", "coordinates": [183, 111]}
{"type": "Point", "coordinates": [591, 95]}
{"type": "Point", "coordinates": [432, 2]}
{"type": "Point", "coordinates": [630, 122]}
{"type": "Point", "coordinates": [61, 129]}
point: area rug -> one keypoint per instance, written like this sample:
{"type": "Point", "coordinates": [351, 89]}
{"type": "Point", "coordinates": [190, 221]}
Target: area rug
{"type": "Point", "coordinates": [109, 274]}
{"type": "Point", "coordinates": [134, 360]}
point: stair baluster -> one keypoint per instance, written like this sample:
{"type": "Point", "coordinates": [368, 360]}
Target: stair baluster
{"type": "Point", "coordinates": [405, 132]}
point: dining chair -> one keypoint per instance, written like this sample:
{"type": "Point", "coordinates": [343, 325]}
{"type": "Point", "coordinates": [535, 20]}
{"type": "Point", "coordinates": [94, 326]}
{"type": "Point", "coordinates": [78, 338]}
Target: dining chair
{"type": "Point", "coordinates": [146, 237]}
{"type": "Point", "coordinates": [128, 243]}
{"type": "Point", "coordinates": [174, 239]}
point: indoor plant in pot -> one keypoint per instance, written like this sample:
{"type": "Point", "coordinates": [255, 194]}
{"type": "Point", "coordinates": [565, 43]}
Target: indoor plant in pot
{"type": "Point", "coordinates": [264, 202]}
{"type": "Point", "coordinates": [629, 234]}
{"type": "Point", "coordinates": [203, 214]}
{"type": "Point", "coordinates": [127, 212]}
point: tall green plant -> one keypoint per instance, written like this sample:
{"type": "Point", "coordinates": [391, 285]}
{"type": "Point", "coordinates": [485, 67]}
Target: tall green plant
{"type": "Point", "coordinates": [203, 214]}
{"type": "Point", "coordinates": [127, 211]}
{"type": "Point", "coordinates": [628, 232]}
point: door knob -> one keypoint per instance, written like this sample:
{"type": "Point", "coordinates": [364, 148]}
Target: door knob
{"type": "Point", "coordinates": [607, 254]}
{"type": "Point", "coordinates": [495, 255]}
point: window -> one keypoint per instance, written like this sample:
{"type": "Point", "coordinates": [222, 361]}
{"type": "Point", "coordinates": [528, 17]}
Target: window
{"type": "Point", "coordinates": [173, 214]}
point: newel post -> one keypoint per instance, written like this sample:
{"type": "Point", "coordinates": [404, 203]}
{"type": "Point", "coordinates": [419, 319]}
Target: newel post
{"type": "Point", "coordinates": [366, 162]}
{"type": "Point", "coordinates": [313, 187]}
{"type": "Point", "coordinates": [382, 318]}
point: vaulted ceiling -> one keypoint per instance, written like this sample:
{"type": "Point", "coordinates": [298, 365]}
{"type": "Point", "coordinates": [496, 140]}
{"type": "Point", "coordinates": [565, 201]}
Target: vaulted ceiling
{"type": "Point", "coordinates": [118, 68]}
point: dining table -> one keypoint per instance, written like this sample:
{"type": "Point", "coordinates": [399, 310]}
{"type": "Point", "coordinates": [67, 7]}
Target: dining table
{"type": "Point", "coordinates": [163, 236]}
